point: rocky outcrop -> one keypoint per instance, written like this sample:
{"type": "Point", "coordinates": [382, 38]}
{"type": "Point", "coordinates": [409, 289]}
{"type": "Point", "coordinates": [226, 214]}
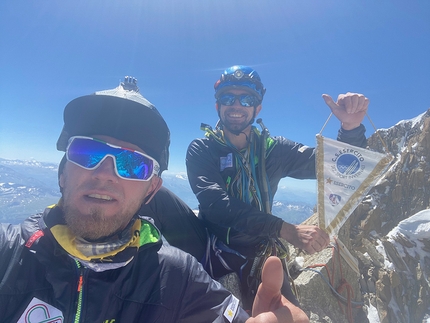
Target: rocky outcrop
{"type": "Point", "coordinates": [392, 284]}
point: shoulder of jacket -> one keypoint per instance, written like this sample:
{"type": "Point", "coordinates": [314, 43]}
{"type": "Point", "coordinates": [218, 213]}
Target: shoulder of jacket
{"type": "Point", "coordinates": [32, 230]}
{"type": "Point", "coordinates": [174, 255]}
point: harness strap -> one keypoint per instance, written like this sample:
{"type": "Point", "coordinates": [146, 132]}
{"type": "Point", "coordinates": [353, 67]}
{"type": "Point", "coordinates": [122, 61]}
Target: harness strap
{"type": "Point", "coordinates": [219, 248]}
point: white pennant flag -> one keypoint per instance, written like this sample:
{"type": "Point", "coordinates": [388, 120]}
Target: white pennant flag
{"type": "Point", "coordinates": [345, 174]}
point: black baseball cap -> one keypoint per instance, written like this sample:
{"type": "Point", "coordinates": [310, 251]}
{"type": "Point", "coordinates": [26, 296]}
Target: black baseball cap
{"type": "Point", "coordinates": [122, 113]}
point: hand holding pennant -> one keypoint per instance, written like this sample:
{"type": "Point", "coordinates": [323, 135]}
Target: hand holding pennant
{"type": "Point", "coordinates": [350, 108]}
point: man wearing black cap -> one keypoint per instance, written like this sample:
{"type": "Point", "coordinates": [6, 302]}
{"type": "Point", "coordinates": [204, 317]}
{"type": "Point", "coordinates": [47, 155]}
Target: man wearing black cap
{"type": "Point", "coordinates": [94, 257]}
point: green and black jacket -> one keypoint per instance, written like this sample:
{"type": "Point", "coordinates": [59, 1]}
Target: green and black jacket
{"type": "Point", "coordinates": [228, 183]}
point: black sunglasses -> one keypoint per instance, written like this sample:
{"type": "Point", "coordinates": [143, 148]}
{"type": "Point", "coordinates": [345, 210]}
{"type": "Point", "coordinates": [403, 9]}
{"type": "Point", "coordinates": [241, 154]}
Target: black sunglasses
{"type": "Point", "coordinates": [245, 100]}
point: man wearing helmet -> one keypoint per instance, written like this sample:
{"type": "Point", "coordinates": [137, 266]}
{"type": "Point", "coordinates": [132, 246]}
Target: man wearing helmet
{"type": "Point", "coordinates": [94, 257]}
{"type": "Point", "coordinates": [235, 171]}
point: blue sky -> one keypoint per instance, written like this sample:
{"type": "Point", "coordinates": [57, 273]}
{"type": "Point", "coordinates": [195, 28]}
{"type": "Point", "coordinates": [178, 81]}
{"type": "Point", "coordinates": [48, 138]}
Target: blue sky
{"type": "Point", "coordinates": [54, 51]}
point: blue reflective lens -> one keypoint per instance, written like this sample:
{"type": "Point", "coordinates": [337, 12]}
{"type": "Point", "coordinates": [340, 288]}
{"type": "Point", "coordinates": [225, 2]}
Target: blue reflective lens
{"type": "Point", "coordinates": [88, 153]}
{"type": "Point", "coordinates": [245, 100]}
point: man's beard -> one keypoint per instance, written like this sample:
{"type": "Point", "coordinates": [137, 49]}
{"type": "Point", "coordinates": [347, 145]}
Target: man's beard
{"type": "Point", "coordinates": [94, 225]}
{"type": "Point", "coordinates": [236, 128]}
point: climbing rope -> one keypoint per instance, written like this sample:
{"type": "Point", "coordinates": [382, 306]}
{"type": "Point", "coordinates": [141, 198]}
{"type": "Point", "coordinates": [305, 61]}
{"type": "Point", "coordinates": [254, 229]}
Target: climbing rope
{"type": "Point", "coordinates": [343, 285]}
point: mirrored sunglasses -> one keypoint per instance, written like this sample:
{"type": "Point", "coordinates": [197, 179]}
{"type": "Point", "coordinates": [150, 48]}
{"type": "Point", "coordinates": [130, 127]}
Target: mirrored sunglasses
{"type": "Point", "coordinates": [89, 153]}
{"type": "Point", "coordinates": [245, 100]}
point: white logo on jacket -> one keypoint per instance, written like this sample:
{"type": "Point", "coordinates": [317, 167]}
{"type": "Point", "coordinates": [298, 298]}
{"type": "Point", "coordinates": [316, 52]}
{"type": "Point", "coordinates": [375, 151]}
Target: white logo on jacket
{"type": "Point", "coordinates": [226, 161]}
{"type": "Point", "coordinates": [40, 312]}
{"type": "Point", "coordinates": [231, 309]}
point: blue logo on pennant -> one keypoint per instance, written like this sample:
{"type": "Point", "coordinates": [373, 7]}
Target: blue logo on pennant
{"type": "Point", "coordinates": [348, 164]}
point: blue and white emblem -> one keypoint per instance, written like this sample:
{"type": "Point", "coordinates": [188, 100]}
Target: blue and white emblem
{"type": "Point", "coordinates": [226, 162]}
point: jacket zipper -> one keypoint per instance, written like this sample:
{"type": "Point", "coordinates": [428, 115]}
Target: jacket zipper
{"type": "Point", "coordinates": [80, 283]}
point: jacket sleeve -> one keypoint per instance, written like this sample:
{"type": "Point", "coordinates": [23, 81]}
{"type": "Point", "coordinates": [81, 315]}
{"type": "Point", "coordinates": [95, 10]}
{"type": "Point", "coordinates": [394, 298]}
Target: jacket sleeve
{"type": "Point", "coordinates": [217, 206]}
{"type": "Point", "coordinates": [11, 245]}
{"type": "Point", "coordinates": [355, 137]}
{"type": "Point", "coordinates": [290, 159]}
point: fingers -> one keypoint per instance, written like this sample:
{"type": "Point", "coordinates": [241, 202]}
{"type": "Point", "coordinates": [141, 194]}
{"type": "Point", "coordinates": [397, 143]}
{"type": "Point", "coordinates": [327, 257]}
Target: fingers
{"type": "Point", "coordinates": [312, 238]}
{"type": "Point", "coordinates": [350, 108]}
{"type": "Point", "coordinates": [320, 241]}
{"type": "Point", "coordinates": [272, 275]}
{"type": "Point", "coordinates": [315, 246]}
{"type": "Point", "coordinates": [349, 102]}
{"type": "Point", "coordinates": [329, 101]}
{"type": "Point", "coordinates": [322, 238]}
{"type": "Point", "coordinates": [269, 305]}
{"type": "Point", "coordinates": [268, 297]}
{"type": "Point", "coordinates": [353, 102]}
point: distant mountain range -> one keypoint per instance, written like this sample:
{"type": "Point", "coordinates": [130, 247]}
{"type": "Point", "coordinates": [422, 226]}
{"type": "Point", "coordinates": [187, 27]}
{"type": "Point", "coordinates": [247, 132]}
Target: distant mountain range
{"type": "Point", "coordinates": [27, 187]}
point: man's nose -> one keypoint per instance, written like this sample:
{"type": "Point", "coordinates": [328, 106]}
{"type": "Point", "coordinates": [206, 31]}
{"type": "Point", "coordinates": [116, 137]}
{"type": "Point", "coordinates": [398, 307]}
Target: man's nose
{"type": "Point", "coordinates": [106, 170]}
{"type": "Point", "coordinates": [236, 102]}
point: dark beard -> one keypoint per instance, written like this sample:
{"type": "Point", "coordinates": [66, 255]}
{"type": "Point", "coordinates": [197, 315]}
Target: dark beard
{"type": "Point", "coordinates": [235, 128]}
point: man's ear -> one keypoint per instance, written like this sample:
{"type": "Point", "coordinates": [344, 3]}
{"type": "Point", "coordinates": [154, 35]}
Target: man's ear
{"type": "Point", "coordinates": [156, 183]}
{"type": "Point", "coordinates": [217, 107]}
{"type": "Point", "coordinates": [258, 109]}
{"type": "Point", "coordinates": [61, 181]}
{"type": "Point", "coordinates": [61, 167]}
